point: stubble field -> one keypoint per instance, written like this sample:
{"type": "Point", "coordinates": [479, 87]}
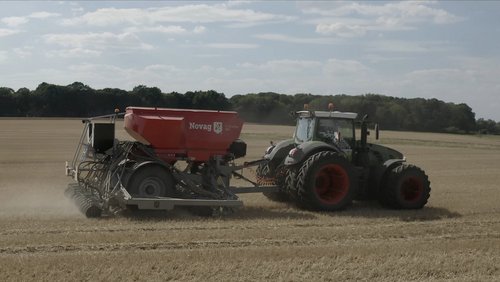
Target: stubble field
{"type": "Point", "coordinates": [456, 237]}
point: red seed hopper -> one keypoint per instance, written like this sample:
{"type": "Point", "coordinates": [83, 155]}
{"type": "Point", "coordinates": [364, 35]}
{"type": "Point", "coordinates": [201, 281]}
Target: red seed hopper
{"type": "Point", "coordinates": [181, 133]}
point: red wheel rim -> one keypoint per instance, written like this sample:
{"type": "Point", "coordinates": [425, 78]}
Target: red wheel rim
{"type": "Point", "coordinates": [331, 183]}
{"type": "Point", "coordinates": [412, 189]}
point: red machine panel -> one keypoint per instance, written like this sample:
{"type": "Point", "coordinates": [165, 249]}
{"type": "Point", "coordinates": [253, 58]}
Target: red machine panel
{"type": "Point", "coordinates": [197, 134]}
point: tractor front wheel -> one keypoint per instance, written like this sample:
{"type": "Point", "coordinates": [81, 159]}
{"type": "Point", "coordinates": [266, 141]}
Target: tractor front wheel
{"type": "Point", "coordinates": [326, 182]}
{"type": "Point", "coordinates": [405, 187]}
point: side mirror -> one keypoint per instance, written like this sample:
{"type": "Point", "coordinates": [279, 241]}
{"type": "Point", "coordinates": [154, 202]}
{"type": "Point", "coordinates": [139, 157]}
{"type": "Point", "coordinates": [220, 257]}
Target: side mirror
{"type": "Point", "coordinates": [377, 133]}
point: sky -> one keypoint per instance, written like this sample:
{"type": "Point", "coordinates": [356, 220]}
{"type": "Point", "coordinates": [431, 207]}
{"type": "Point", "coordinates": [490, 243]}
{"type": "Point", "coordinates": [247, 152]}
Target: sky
{"type": "Point", "coordinates": [445, 50]}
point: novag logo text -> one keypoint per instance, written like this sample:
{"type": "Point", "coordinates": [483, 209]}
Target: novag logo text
{"type": "Point", "coordinates": [217, 127]}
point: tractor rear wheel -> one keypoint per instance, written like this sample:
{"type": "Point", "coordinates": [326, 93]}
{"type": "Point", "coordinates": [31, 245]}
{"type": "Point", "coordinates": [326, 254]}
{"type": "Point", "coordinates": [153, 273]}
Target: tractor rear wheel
{"type": "Point", "coordinates": [405, 187]}
{"type": "Point", "coordinates": [151, 181]}
{"type": "Point", "coordinates": [326, 182]}
{"type": "Point", "coordinates": [265, 176]}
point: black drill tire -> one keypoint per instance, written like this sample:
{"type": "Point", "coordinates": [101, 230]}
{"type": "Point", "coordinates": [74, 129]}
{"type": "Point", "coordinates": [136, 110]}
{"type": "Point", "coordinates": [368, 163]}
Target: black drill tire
{"type": "Point", "coordinates": [263, 171]}
{"type": "Point", "coordinates": [160, 178]}
{"type": "Point", "coordinates": [326, 182]}
{"type": "Point", "coordinates": [405, 186]}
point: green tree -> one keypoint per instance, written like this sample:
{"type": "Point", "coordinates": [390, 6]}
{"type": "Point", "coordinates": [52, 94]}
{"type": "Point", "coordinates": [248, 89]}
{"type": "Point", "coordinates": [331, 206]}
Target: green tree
{"type": "Point", "coordinates": [7, 102]}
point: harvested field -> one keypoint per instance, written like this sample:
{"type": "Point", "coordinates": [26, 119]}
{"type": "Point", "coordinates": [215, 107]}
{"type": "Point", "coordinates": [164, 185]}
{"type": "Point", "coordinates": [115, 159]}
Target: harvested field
{"type": "Point", "coordinates": [456, 237]}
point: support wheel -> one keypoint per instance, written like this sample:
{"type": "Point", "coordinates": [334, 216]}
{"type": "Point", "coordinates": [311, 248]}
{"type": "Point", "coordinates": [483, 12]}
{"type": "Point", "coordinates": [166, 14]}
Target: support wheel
{"type": "Point", "coordinates": [405, 187]}
{"type": "Point", "coordinates": [151, 181]}
{"type": "Point", "coordinates": [325, 182]}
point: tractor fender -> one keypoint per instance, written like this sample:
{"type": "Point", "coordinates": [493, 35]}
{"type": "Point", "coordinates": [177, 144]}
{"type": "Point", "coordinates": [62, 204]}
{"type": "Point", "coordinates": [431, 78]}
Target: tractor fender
{"type": "Point", "coordinates": [385, 168]}
{"type": "Point", "coordinates": [276, 153]}
{"type": "Point", "coordinates": [307, 149]}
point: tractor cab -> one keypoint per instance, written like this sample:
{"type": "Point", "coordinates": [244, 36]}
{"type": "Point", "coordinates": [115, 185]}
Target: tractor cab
{"type": "Point", "coordinates": [336, 128]}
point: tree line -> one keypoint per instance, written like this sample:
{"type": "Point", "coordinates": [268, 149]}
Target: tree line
{"type": "Point", "coordinates": [80, 100]}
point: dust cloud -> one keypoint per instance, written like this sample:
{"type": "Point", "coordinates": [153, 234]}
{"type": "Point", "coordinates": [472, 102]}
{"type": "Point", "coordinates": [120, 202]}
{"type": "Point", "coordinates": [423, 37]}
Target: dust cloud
{"type": "Point", "coordinates": [36, 202]}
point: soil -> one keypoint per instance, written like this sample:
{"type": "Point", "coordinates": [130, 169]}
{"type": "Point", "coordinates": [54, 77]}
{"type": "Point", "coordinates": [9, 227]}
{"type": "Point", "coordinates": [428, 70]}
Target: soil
{"type": "Point", "coordinates": [456, 237]}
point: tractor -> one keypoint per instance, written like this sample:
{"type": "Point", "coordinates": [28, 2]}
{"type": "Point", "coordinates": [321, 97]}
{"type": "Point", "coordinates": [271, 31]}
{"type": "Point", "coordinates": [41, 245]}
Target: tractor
{"type": "Point", "coordinates": [325, 167]}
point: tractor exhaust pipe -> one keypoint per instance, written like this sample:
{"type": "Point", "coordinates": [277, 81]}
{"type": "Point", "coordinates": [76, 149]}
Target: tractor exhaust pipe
{"type": "Point", "coordinates": [86, 202]}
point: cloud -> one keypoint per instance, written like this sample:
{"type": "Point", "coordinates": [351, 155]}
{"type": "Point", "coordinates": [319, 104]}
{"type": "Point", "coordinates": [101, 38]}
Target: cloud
{"type": "Point", "coordinates": [97, 41]}
{"type": "Point", "coordinates": [17, 21]}
{"type": "Point", "coordinates": [397, 46]}
{"type": "Point", "coordinates": [436, 74]}
{"type": "Point", "coordinates": [302, 76]}
{"type": "Point", "coordinates": [339, 67]}
{"type": "Point", "coordinates": [283, 65]}
{"type": "Point", "coordinates": [404, 11]}
{"type": "Point", "coordinates": [393, 16]}
{"type": "Point", "coordinates": [159, 68]}
{"type": "Point", "coordinates": [341, 29]}
{"type": "Point", "coordinates": [234, 3]}
{"type": "Point", "coordinates": [285, 76]}
{"type": "Point", "coordinates": [232, 46]}
{"type": "Point", "coordinates": [477, 74]}
{"type": "Point", "coordinates": [197, 13]}
{"type": "Point", "coordinates": [408, 46]}
{"type": "Point", "coordinates": [8, 31]}
{"type": "Point", "coordinates": [166, 77]}
{"type": "Point", "coordinates": [465, 80]}
{"type": "Point", "coordinates": [210, 55]}
{"type": "Point", "coordinates": [91, 68]}
{"type": "Point", "coordinates": [174, 78]}
{"type": "Point", "coordinates": [199, 29]}
{"type": "Point", "coordinates": [23, 52]}
{"type": "Point", "coordinates": [171, 29]}
{"type": "Point", "coordinates": [43, 15]}
{"type": "Point", "coordinates": [473, 81]}
{"type": "Point", "coordinates": [295, 39]}
{"type": "Point", "coordinates": [110, 16]}
{"type": "Point", "coordinates": [386, 58]}
{"type": "Point", "coordinates": [74, 53]}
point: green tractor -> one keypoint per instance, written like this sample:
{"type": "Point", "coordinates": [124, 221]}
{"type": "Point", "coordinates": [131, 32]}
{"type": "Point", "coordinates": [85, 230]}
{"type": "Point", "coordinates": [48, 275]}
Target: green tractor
{"type": "Point", "coordinates": [325, 167]}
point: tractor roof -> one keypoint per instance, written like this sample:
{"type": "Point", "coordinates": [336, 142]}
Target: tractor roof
{"type": "Point", "coordinates": [334, 114]}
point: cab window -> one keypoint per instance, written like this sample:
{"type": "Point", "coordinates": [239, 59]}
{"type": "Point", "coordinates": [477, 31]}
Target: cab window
{"type": "Point", "coordinates": [305, 129]}
{"type": "Point", "coordinates": [338, 131]}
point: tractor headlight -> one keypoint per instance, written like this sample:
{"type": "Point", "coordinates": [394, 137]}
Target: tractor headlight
{"type": "Point", "coordinates": [270, 148]}
{"type": "Point", "coordinates": [293, 152]}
